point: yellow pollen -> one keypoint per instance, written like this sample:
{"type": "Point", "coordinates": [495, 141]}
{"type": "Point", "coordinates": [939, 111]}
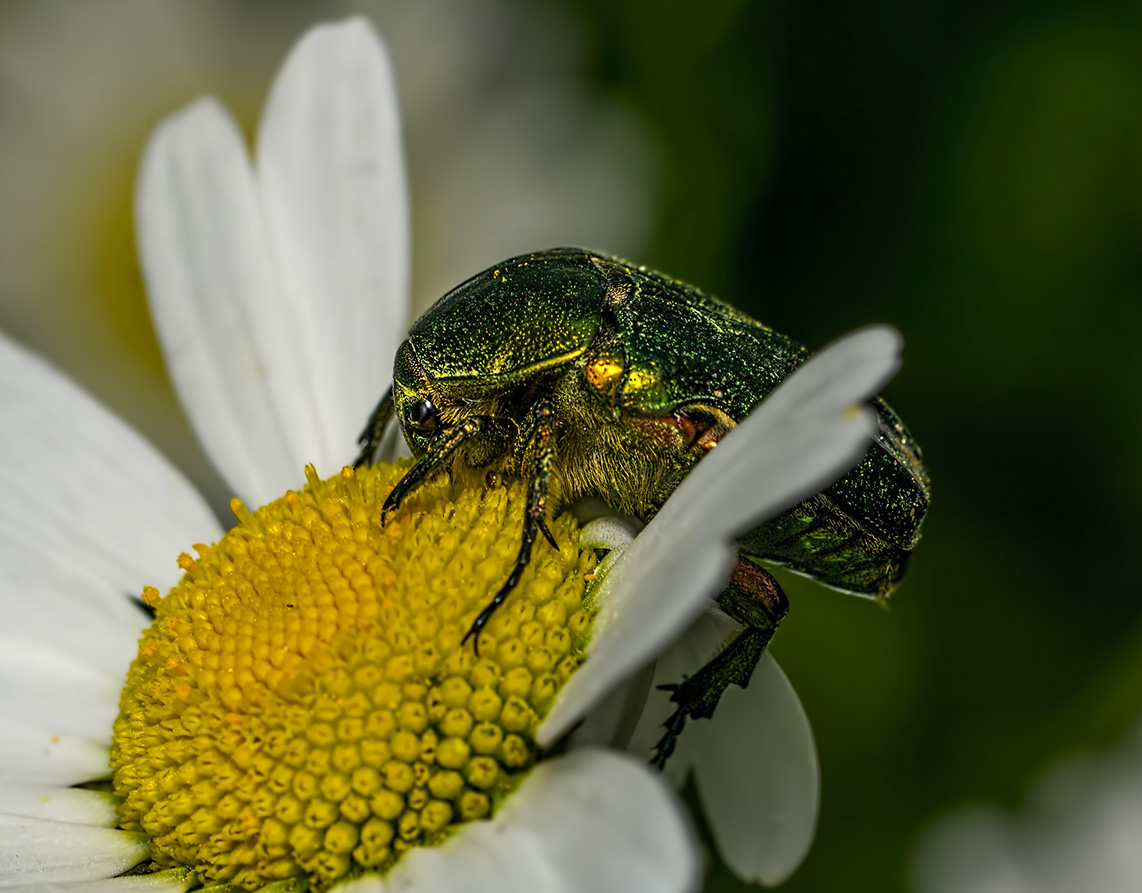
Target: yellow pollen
{"type": "Point", "coordinates": [302, 704]}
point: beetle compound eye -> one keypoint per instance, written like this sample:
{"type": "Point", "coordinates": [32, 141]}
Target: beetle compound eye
{"type": "Point", "coordinates": [422, 415]}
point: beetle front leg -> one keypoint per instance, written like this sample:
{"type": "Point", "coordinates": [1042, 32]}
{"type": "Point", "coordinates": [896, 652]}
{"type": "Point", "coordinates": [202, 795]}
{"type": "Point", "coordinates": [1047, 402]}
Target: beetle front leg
{"type": "Point", "coordinates": [543, 446]}
{"type": "Point", "coordinates": [753, 598]}
{"type": "Point", "coordinates": [430, 463]}
{"type": "Point", "coordinates": [370, 438]}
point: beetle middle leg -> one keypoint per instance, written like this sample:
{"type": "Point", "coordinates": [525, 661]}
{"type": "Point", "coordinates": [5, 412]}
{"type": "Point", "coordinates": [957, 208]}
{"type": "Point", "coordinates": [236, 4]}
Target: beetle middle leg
{"type": "Point", "coordinates": [543, 449]}
{"type": "Point", "coordinates": [753, 598]}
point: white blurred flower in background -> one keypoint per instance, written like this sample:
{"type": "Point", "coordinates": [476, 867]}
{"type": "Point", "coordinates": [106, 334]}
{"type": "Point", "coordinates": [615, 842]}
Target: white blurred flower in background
{"type": "Point", "coordinates": [1080, 832]}
{"type": "Point", "coordinates": [508, 152]}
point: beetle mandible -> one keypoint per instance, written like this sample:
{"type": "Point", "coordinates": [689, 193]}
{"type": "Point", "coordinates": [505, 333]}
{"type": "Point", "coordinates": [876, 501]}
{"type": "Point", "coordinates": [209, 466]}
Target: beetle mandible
{"type": "Point", "coordinates": [589, 376]}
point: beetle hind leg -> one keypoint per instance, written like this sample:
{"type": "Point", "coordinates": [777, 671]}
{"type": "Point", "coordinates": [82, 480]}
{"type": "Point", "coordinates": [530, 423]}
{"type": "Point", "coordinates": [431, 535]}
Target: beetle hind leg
{"type": "Point", "coordinates": [753, 598]}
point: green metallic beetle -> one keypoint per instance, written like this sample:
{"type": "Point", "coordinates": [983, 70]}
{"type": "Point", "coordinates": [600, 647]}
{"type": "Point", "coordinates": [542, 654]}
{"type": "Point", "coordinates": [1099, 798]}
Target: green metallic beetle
{"type": "Point", "coordinates": [590, 377]}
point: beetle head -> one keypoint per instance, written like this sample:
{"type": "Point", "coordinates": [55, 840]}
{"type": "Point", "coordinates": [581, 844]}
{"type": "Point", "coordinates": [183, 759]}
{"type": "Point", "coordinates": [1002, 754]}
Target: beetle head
{"type": "Point", "coordinates": [418, 406]}
{"type": "Point", "coordinates": [494, 344]}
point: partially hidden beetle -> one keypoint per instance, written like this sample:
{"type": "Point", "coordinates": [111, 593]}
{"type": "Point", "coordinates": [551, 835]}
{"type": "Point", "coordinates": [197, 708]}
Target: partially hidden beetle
{"type": "Point", "coordinates": [591, 377]}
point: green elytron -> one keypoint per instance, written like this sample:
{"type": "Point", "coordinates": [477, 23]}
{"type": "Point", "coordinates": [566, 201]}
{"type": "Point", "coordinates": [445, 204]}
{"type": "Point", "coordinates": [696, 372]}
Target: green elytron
{"type": "Point", "coordinates": [590, 377]}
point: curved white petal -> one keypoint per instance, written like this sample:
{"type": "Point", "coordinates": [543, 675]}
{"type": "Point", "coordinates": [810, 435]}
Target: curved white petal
{"type": "Point", "coordinates": [589, 822]}
{"type": "Point", "coordinates": [37, 851]}
{"type": "Point", "coordinates": [805, 434]}
{"type": "Point", "coordinates": [38, 754]}
{"type": "Point", "coordinates": [755, 767]}
{"type": "Point", "coordinates": [216, 297]}
{"type": "Point", "coordinates": [332, 176]}
{"type": "Point", "coordinates": [643, 615]}
{"type": "Point", "coordinates": [76, 805]}
{"type": "Point", "coordinates": [39, 685]}
{"type": "Point", "coordinates": [280, 297]}
{"type": "Point", "coordinates": [754, 763]}
{"type": "Point", "coordinates": [69, 608]}
{"type": "Point", "coordinates": [175, 880]}
{"type": "Point", "coordinates": [612, 721]}
{"type": "Point", "coordinates": [484, 857]}
{"type": "Point", "coordinates": [89, 514]}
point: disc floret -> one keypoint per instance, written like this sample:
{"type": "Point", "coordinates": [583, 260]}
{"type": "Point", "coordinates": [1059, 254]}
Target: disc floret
{"type": "Point", "coordinates": [303, 702]}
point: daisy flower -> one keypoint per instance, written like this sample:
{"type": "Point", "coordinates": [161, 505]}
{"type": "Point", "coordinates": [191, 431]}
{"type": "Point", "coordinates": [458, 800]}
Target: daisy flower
{"type": "Point", "coordinates": [301, 710]}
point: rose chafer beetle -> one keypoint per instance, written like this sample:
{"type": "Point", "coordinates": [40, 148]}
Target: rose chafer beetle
{"type": "Point", "coordinates": [591, 377]}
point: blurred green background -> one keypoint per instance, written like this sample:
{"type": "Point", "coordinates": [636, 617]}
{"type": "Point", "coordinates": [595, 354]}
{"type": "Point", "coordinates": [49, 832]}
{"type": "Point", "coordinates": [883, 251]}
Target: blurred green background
{"type": "Point", "coordinates": [972, 174]}
{"type": "Point", "coordinates": [968, 172]}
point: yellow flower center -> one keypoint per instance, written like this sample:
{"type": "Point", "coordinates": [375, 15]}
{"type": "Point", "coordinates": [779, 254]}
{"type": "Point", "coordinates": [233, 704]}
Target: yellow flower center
{"type": "Point", "coordinates": [302, 702]}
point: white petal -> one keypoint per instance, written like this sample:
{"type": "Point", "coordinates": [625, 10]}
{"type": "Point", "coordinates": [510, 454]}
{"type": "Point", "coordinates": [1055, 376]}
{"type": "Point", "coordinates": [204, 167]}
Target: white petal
{"type": "Point", "coordinates": [755, 767]}
{"type": "Point", "coordinates": [36, 851]}
{"type": "Point", "coordinates": [592, 821]}
{"type": "Point", "coordinates": [754, 762]}
{"type": "Point", "coordinates": [60, 804]}
{"type": "Point", "coordinates": [612, 721]}
{"type": "Point", "coordinates": [484, 857]}
{"type": "Point", "coordinates": [645, 614]}
{"type": "Point", "coordinates": [35, 754]}
{"type": "Point", "coordinates": [615, 809]}
{"type": "Point", "coordinates": [216, 297]}
{"type": "Point", "coordinates": [89, 514]}
{"type": "Point", "coordinates": [331, 168]}
{"type": "Point", "coordinates": [39, 685]}
{"type": "Point", "coordinates": [804, 435]}
{"type": "Point", "coordinates": [69, 608]}
{"type": "Point", "coordinates": [174, 880]}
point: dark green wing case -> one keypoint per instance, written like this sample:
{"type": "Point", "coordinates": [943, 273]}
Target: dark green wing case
{"type": "Point", "coordinates": [525, 314]}
{"type": "Point", "coordinates": [697, 349]}
{"type": "Point", "coordinates": [858, 534]}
